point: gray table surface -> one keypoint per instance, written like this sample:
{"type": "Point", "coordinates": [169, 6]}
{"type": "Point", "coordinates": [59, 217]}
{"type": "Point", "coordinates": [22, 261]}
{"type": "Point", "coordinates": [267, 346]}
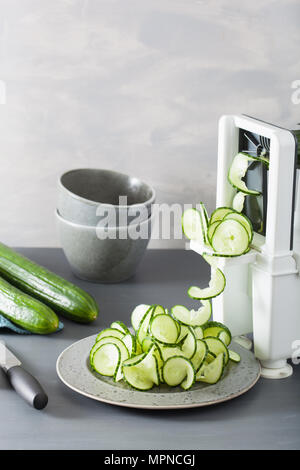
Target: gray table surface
{"type": "Point", "coordinates": [266, 417]}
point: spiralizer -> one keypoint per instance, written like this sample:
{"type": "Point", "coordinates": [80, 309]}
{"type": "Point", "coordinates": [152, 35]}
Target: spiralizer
{"type": "Point", "coordinates": [262, 294]}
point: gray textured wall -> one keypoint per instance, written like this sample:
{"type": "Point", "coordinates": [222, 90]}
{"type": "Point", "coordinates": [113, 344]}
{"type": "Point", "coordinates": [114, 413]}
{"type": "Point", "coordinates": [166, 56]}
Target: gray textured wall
{"type": "Point", "coordinates": [132, 85]}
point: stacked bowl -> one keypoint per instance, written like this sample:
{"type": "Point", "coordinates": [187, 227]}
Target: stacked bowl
{"type": "Point", "coordinates": [104, 220]}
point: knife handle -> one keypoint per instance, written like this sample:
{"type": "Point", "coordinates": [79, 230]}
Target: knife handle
{"type": "Point", "coordinates": [27, 387]}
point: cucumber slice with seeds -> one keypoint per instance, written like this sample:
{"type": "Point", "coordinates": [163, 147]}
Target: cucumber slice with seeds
{"type": "Point", "coordinates": [164, 329]}
{"type": "Point", "coordinates": [216, 286]}
{"type": "Point", "coordinates": [243, 219]}
{"type": "Point", "coordinates": [238, 170]}
{"type": "Point", "coordinates": [230, 238]}
{"type": "Point", "coordinates": [192, 317]}
{"type": "Point", "coordinates": [179, 370]}
{"type": "Point", "coordinates": [192, 225]}
{"type": "Point", "coordinates": [234, 356]}
{"type": "Point", "coordinates": [211, 373]}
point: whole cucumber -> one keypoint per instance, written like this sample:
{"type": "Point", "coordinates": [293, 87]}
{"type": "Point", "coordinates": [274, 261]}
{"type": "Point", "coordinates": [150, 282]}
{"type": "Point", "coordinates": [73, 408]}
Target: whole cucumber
{"type": "Point", "coordinates": [62, 296]}
{"type": "Point", "coordinates": [25, 311]}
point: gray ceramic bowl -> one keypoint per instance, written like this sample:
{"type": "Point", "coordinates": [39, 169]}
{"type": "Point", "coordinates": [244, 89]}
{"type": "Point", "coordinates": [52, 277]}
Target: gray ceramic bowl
{"type": "Point", "coordinates": [103, 260]}
{"type": "Point", "coordinates": [89, 196]}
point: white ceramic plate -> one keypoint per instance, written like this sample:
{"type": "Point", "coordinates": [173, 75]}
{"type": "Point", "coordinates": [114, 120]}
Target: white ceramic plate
{"type": "Point", "coordinates": [74, 371]}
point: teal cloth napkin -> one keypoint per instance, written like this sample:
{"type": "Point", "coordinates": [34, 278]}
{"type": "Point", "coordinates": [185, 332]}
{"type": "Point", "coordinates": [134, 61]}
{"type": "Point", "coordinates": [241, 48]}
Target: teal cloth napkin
{"type": "Point", "coordinates": [4, 323]}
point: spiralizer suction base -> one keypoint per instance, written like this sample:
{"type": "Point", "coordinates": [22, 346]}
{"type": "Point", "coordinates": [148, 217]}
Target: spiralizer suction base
{"type": "Point", "coordinates": [276, 370]}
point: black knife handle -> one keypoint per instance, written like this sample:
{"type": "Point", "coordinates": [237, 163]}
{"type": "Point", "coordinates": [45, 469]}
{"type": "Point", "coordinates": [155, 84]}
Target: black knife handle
{"type": "Point", "coordinates": [27, 387]}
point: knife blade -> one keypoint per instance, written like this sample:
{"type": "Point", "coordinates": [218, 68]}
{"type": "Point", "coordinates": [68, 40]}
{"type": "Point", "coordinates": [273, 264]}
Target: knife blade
{"type": "Point", "coordinates": [22, 381]}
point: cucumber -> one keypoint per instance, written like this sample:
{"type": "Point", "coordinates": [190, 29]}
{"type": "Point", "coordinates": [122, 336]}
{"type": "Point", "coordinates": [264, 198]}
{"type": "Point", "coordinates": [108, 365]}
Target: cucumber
{"type": "Point", "coordinates": [211, 373]}
{"type": "Point", "coordinates": [234, 356]}
{"type": "Point", "coordinates": [214, 328]}
{"type": "Point", "coordinates": [107, 359]}
{"type": "Point", "coordinates": [142, 374]}
{"type": "Point", "coordinates": [216, 286]}
{"type": "Point", "coordinates": [110, 332]}
{"type": "Point", "coordinates": [130, 343]}
{"type": "Point", "coordinates": [211, 229]}
{"type": "Point", "coordinates": [192, 317]}
{"type": "Point", "coordinates": [26, 311]}
{"type": "Point", "coordinates": [243, 219]}
{"type": "Point", "coordinates": [198, 332]}
{"type": "Point", "coordinates": [192, 225]}
{"type": "Point", "coordinates": [60, 295]}
{"type": "Point", "coordinates": [119, 325]}
{"type": "Point", "coordinates": [189, 344]}
{"type": "Point", "coordinates": [164, 329]}
{"type": "Point", "coordinates": [216, 346]}
{"type": "Point", "coordinates": [218, 214]}
{"type": "Point", "coordinates": [230, 238]}
{"type": "Point", "coordinates": [239, 201]}
{"type": "Point", "coordinates": [179, 370]}
{"type": "Point", "coordinates": [123, 350]}
{"type": "Point", "coordinates": [200, 354]}
{"type": "Point", "coordinates": [238, 170]}
{"type": "Point", "coordinates": [204, 221]}
{"type": "Point", "coordinates": [138, 314]}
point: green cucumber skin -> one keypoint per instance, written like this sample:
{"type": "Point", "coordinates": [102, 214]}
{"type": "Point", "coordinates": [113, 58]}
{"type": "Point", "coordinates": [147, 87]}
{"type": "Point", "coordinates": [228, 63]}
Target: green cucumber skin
{"type": "Point", "coordinates": [25, 311]}
{"type": "Point", "coordinates": [59, 294]}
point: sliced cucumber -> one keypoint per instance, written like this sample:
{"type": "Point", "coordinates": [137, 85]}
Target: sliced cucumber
{"type": "Point", "coordinates": [211, 373]}
{"type": "Point", "coordinates": [211, 229]}
{"type": "Point", "coordinates": [204, 221]}
{"type": "Point", "coordinates": [243, 219]}
{"type": "Point", "coordinates": [216, 346]}
{"type": "Point", "coordinates": [239, 201]}
{"type": "Point", "coordinates": [164, 329]}
{"type": "Point", "coordinates": [130, 343]}
{"type": "Point", "coordinates": [198, 332]}
{"type": "Point", "coordinates": [179, 370]}
{"type": "Point", "coordinates": [192, 317]}
{"type": "Point", "coordinates": [142, 375]}
{"type": "Point", "coordinates": [200, 354]}
{"type": "Point", "coordinates": [110, 332]}
{"type": "Point", "coordinates": [218, 214]}
{"type": "Point", "coordinates": [189, 344]}
{"type": "Point", "coordinates": [216, 286]}
{"type": "Point", "coordinates": [119, 325]}
{"type": "Point", "coordinates": [238, 170]}
{"type": "Point", "coordinates": [234, 356]}
{"type": "Point", "coordinates": [123, 350]}
{"type": "Point", "coordinates": [183, 332]}
{"type": "Point", "coordinates": [170, 351]}
{"type": "Point", "coordinates": [138, 314]}
{"type": "Point", "coordinates": [230, 238]}
{"type": "Point", "coordinates": [144, 325]}
{"type": "Point", "coordinates": [192, 225]}
{"type": "Point", "coordinates": [107, 359]}
{"type": "Point", "coordinates": [217, 329]}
